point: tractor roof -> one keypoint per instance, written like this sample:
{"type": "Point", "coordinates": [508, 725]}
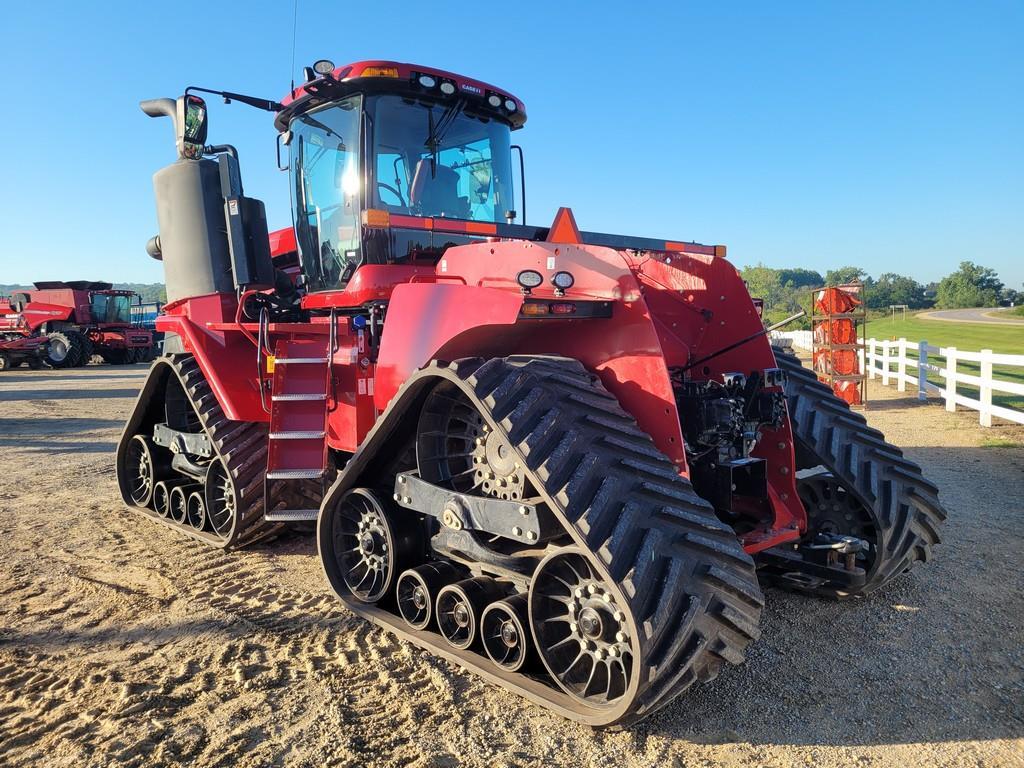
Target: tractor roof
{"type": "Point", "coordinates": [396, 77]}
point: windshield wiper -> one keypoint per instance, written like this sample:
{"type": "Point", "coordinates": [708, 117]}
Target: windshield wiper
{"type": "Point", "coordinates": [437, 131]}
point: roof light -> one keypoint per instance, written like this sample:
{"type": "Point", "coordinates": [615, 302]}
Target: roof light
{"type": "Point", "coordinates": [427, 81]}
{"type": "Point", "coordinates": [323, 67]}
{"type": "Point", "coordinates": [510, 105]}
{"type": "Point", "coordinates": [562, 280]}
{"type": "Point", "coordinates": [494, 100]}
{"type": "Point", "coordinates": [380, 72]}
{"type": "Point", "coordinates": [447, 88]}
{"type": "Point", "coordinates": [529, 279]}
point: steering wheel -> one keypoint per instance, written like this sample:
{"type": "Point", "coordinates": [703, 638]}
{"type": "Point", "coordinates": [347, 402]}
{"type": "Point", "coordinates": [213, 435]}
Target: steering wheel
{"type": "Point", "coordinates": [393, 191]}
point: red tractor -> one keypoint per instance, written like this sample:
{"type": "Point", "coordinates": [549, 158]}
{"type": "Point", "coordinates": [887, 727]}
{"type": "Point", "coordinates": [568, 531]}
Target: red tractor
{"type": "Point", "coordinates": [564, 460]}
{"type": "Point", "coordinates": [82, 318]}
{"type": "Point", "coordinates": [18, 343]}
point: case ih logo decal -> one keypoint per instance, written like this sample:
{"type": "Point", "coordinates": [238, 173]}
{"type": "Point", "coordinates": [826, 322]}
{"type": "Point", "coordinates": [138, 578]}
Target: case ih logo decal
{"type": "Point", "coordinates": [472, 89]}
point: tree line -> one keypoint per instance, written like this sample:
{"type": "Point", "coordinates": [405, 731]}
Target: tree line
{"type": "Point", "coordinates": [787, 291]}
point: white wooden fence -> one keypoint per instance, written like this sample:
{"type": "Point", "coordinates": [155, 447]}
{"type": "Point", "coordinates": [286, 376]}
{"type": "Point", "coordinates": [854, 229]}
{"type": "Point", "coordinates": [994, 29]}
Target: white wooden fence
{"type": "Point", "coordinates": [880, 357]}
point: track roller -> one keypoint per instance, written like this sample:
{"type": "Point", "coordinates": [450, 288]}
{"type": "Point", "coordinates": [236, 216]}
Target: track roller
{"type": "Point", "coordinates": [162, 496]}
{"type": "Point", "coordinates": [179, 501]}
{"type": "Point", "coordinates": [505, 632]}
{"type": "Point", "coordinates": [195, 510]}
{"type": "Point", "coordinates": [459, 607]}
{"type": "Point", "coordinates": [416, 591]}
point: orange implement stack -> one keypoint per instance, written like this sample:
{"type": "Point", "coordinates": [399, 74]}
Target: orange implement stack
{"type": "Point", "coordinates": [837, 323]}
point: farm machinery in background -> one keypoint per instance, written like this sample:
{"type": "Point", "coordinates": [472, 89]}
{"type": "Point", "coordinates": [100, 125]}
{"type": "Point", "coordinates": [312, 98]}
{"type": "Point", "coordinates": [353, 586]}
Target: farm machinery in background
{"type": "Point", "coordinates": [81, 319]}
{"type": "Point", "coordinates": [838, 317]}
{"type": "Point", "coordinates": [564, 460]}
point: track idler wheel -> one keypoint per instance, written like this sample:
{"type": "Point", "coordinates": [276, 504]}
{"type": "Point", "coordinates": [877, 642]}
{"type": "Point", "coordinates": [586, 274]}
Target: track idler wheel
{"type": "Point", "coordinates": [367, 547]}
{"type": "Point", "coordinates": [417, 589]}
{"type": "Point", "coordinates": [221, 503]}
{"type": "Point", "coordinates": [583, 637]}
{"type": "Point", "coordinates": [179, 501]}
{"type": "Point", "coordinates": [459, 607]}
{"type": "Point", "coordinates": [145, 465]}
{"type": "Point", "coordinates": [505, 632]}
{"type": "Point", "coordinates": [195, 510]}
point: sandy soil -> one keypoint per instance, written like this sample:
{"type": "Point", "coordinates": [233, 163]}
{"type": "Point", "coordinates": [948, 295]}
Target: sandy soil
{"type": "Point", "coordinates": [123, 644]}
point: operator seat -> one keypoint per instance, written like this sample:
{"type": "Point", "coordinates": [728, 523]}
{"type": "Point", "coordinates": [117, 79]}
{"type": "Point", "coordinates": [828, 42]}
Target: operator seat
{"type": "Point", "coordinates": [437, 194]}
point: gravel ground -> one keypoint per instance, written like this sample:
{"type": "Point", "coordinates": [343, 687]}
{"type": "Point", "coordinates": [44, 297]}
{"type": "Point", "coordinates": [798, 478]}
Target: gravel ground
{"type": "Point", "coordinates": [123, 644]}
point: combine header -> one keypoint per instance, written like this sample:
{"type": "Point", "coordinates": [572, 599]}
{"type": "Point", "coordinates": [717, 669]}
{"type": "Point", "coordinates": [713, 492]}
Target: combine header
{"type": "Point", "coordinates": [561, 459]}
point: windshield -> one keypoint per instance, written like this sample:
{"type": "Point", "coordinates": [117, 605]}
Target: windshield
{"type": "Point", "coordinates": [107, 308]}
{"type": "Point", "coordinates": [438, 160]}
{"type": "Point", "coordinates": [325, 192]}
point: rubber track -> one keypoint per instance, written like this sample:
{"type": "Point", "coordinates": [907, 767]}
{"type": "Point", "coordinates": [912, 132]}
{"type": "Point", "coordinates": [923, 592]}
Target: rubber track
{"type": "Point", "coordinates": [681, 573]}
{"type": "Point", "coordinates": [242, 446]}
{"type": "Point", "coordinates": [904, 504]}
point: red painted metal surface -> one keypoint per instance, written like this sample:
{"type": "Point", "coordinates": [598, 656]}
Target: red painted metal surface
{"type": "Point", "coordinates": [405, 72]}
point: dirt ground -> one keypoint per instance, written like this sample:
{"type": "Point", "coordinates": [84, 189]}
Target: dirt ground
{"type": "Point", "coordinates": [123, 644]}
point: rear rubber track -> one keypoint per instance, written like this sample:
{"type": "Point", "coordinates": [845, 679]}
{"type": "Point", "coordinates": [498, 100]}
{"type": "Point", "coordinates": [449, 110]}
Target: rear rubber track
{"type": "Point", "coordinates": [904, 505]}
{"type": "Point", "coordinates": [241, 446]}
{"type": "Point", "coordinates": [688, 585]}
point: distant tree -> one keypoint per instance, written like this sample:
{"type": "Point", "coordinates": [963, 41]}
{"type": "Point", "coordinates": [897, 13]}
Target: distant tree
{"type": "Point", "coordinates": [970, 286]}
{"type": "Point", "coordinates": [845, 275]}
{"type": "Point", "coordinates": [891, 288]}
{"type": "Point", "coordinates": [801, 278]}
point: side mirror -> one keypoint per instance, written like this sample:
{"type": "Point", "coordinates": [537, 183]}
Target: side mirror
{"type": "Point", "coordinates": [190, 126]}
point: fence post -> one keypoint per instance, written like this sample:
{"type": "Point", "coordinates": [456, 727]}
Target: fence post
{"type": "Point", "coordinates": [885, 362]}
{"type": "Point", "coordinates": [901, 367]}
{"type": "Point", "coordinates": [871, 358]}
{"type": "Point", "coordinates": [985, 390]}
{"type": "Point", "coordinates": [950, 379]}
{"type": "Point", "coordinates": [922, 372]}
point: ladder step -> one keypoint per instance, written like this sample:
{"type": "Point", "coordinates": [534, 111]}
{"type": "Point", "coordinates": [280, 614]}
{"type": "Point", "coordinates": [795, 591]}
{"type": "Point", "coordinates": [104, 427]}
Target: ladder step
{"type": "Point", "coordinates": [297, 435]}
{"type": "Point", "coordinates": [291, 515]}
{"type": "Point", "coordinates": [295, 360]}
{"type": "Point", "coordinates": [295, 474]}
{"type": "Point", "coordinates": [288, 398]}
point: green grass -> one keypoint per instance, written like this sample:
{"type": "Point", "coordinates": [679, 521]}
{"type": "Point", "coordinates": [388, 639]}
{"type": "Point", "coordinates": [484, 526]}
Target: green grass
{"type": "Point", "coordinates": [1017, 311]}
{"type": "Point", "coordinates": [970, 337]}
{"type": "Point", "coordinates": [999, 442]}
{"type": "Point", "coordinates": [1007, 340]}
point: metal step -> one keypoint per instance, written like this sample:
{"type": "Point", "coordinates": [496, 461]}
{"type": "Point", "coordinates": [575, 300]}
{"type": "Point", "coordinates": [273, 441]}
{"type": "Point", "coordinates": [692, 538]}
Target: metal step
{"type": "Point", "coordinates": [288, 398]}
{"type": "Point", "coordinates": [298, 435]}
{"type": "Point", "coordinates": [294, 360]}
{"type": "Point", "coordinates": [295, 474]}
{"type": "Point", "coordinates": [292, 515]}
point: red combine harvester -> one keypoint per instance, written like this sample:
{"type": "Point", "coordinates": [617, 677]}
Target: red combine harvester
{"type": "Point", "coordinates": [18, 343]}
{"type": "Point", "coordinates": [561, 459]}
{"type": "Point", "coordinates": [82, 318]}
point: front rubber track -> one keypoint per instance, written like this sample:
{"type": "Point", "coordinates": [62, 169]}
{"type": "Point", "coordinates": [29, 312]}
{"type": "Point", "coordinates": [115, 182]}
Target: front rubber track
{"type": "Point", "coordinates": [904, 505]}
{"type": "Point", "coordinates": [242, 446]}
{"type": "Point", "coordinates": [691, 591]}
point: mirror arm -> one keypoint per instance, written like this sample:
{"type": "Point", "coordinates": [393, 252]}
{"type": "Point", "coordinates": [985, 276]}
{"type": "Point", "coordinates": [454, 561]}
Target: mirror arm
{"type": "Point", "coordinates": [265, 104]}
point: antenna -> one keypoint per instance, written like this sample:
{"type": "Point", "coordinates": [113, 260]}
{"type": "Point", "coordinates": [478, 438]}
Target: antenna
{"type": "Point", "coordinates": [295, 25]}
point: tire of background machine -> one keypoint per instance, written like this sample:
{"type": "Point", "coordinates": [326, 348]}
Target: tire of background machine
{"type": "Point", "coordinates": [5, 362]}
{"type": "Point", "coordinates": [903, 505]}
{"type": "Point", "coordinates": [116, 356]}
{"type": "Point", "coordinates": [87, 350]}
{"type": "Point", "coordinates": [72, 342]}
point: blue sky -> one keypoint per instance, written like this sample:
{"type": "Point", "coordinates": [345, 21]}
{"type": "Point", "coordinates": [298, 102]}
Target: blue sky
{"type": "Point", "coordinates": [887, 135]}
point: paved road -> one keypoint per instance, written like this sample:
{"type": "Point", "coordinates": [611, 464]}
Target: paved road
{"type": "Point", "coordinates": [986, 315]}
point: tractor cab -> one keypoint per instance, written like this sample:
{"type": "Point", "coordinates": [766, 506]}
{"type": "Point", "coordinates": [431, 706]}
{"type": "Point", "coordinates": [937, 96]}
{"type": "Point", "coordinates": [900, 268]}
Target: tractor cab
{"type": "Point", "coordinates": [111, 308]}
{"type": "Point", "coordinates": [393, 163]}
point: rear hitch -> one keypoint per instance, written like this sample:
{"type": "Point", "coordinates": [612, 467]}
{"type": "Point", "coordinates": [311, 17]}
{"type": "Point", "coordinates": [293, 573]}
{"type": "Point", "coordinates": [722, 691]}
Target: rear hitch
{"type": "Point", "coordinates": [828, 558]}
